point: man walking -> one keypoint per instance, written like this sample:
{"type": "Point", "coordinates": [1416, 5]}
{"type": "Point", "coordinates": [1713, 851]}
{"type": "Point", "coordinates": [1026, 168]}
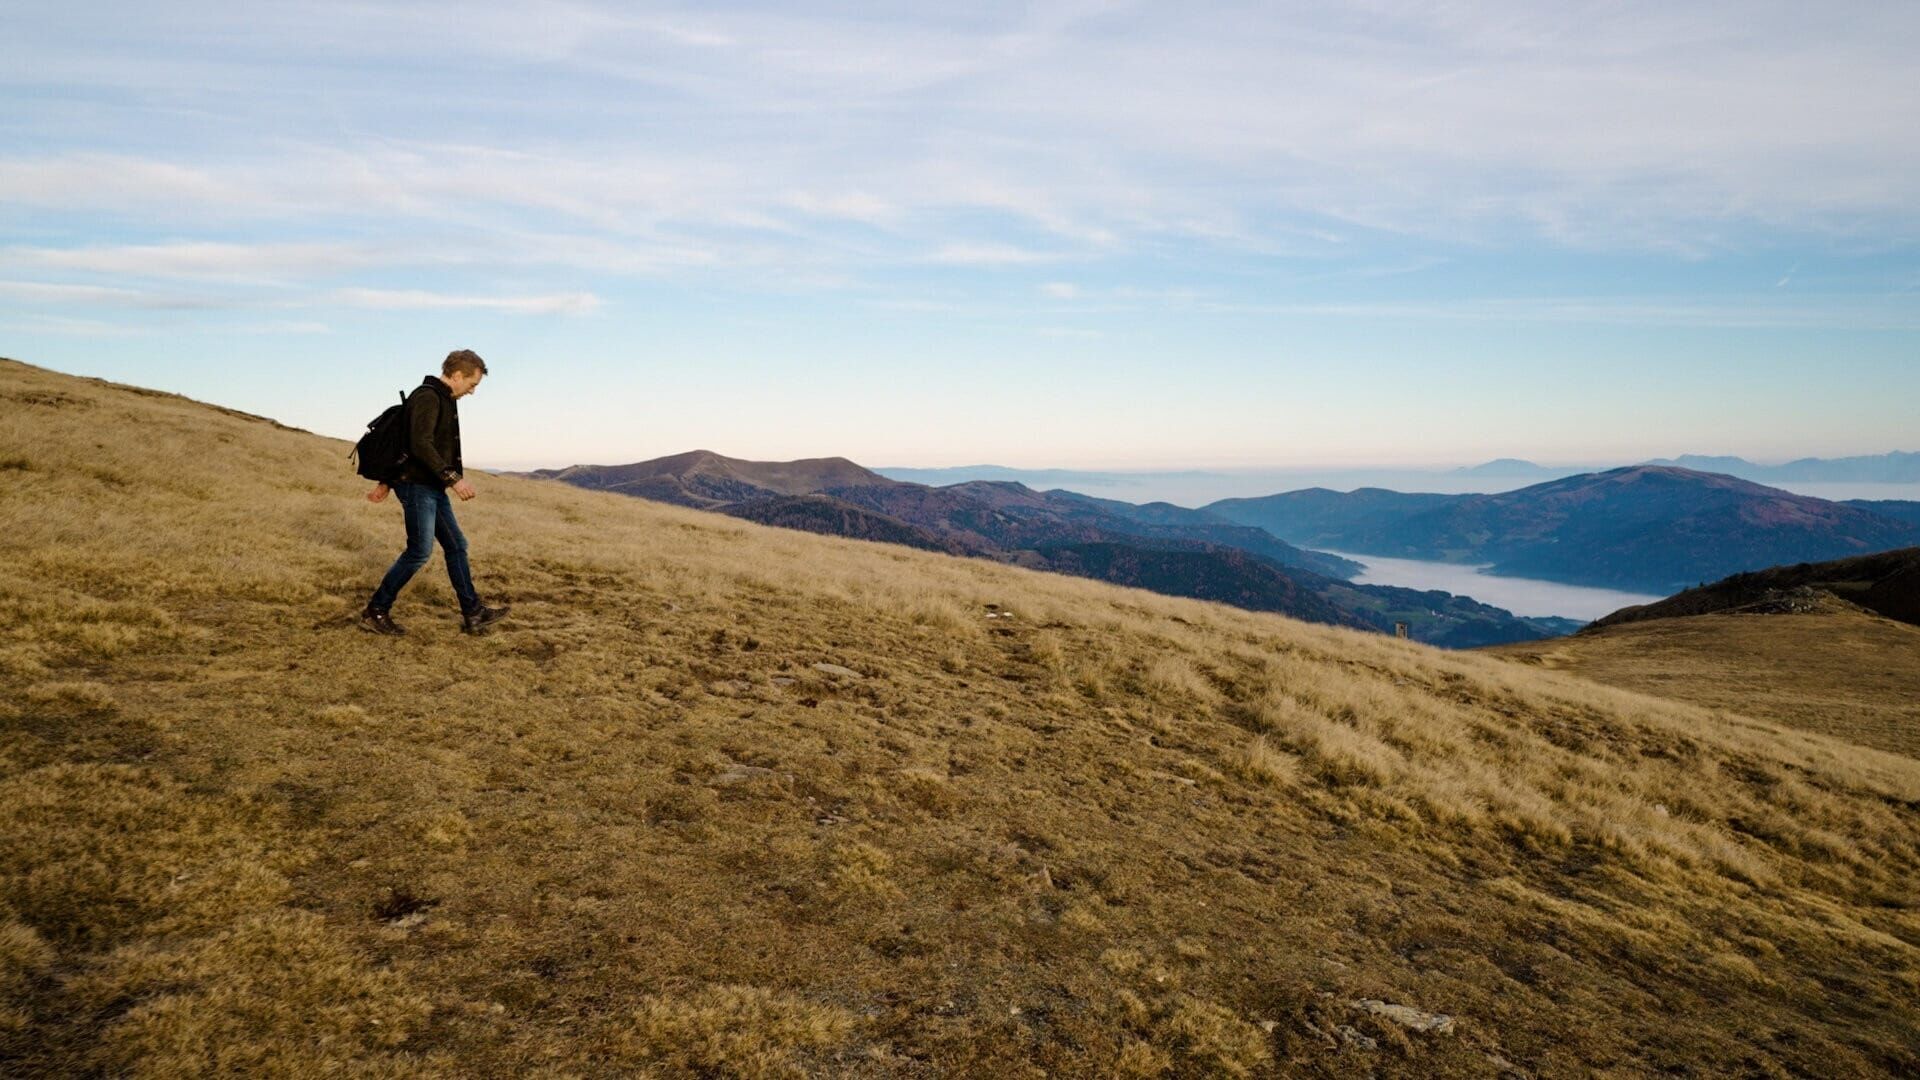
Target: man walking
{"type": "Point", "coordinates": [430, 469]}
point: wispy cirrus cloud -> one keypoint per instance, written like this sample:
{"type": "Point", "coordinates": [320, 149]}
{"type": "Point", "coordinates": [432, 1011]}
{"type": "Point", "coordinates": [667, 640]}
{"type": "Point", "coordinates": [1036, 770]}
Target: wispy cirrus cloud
{"type": "Point", "coordinates": [44, 292]}
{"type": "Point", "coordinates": [422, 300]}
{"type": "Point", "coordinates": [41, 294]}
{"type": "Point", "coordinates": [1838, 313]}
{"type": "Point", "coordinates": [269, 263]}
{"type": "Point", "coordinates": [1630, 126]}
{"type": "Point", "coordinates": [990, 255]}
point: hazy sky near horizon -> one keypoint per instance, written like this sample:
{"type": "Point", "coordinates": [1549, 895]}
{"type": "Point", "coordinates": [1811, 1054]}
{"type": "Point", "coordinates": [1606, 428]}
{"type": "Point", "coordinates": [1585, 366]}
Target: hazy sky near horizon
{"type": "Point", "coordinates": [1079, 234]}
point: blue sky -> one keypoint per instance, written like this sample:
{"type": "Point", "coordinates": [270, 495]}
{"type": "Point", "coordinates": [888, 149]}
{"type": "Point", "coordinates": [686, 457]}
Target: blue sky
{"type": "Point", "coordinates": [1082, 234]}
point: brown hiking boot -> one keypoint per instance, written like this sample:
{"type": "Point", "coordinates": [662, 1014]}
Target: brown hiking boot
{"type": "Point", "coordinates": [380, 623]}
{"type": "Point", "coordinates": [477, 620]}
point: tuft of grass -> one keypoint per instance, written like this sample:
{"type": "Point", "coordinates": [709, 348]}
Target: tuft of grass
{"type": "Point", "coordinates": [447, 830]}
{"type": "Point", "coordinates": [72, 698]}
{"type": "Point", "coordinates": [857, 873]}
{"type": "Point", "coordinates": [1262, 763]}
{"type": "Point", "coordinates": [1174, 679]}
{"type": "Point", "coordinates": [747, 1031]}
{"type": "Point", "coordinates": [1141, 1060]}
{"type": "Point", "coordinates": [1212, 1038]}
{"type": "Point", "coordinates": [24, 957]}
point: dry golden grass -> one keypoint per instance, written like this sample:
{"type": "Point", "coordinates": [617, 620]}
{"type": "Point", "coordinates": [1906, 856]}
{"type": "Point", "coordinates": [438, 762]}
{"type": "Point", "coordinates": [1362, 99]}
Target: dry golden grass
{"type": "Point", "coordinates": [637, 832]}
{"type": "Point", "coordinates": [1843, 672]}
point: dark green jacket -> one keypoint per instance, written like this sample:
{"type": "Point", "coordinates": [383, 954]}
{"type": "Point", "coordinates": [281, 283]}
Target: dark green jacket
{"type": "Point", "coordinates": [433, 436]}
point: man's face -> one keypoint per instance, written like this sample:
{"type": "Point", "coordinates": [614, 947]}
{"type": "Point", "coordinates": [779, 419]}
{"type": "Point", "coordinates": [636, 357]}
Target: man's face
{"type": "Point", "coordinates": [463, 383]}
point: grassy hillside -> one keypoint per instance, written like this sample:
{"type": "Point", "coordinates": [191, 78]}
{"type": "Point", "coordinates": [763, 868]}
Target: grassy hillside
{"type": "Point", "coordinates": [727, 800]}
{"type": "Point", "coordinates": [1833, 668]}
{"type": "Point", "coordinates": [1831, 647]}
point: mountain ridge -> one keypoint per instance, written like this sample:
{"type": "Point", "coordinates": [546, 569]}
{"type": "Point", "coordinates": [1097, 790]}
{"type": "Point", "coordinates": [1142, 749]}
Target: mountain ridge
{"type": "Point", "coordinates": [1644, 528]}
{"type": "Point", "coordinates": [1885, 583]}
{"type": "Point", "coordinates": [1157, 545]}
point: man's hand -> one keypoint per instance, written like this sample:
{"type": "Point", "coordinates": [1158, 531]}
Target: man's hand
{"type": "Point", "coordinates": [463, 489]}
{"type": "Point", "coordinates": [378, 494]}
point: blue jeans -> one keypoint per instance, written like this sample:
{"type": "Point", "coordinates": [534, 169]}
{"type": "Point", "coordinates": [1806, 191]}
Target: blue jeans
{"type": "Point", "coordinates": [429, 517]}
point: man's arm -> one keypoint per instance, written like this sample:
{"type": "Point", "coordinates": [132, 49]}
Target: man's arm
{"type": "Point", "coordinates": [423, 415]}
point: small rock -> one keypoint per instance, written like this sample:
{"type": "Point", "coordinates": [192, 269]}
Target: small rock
{"type": "Point", "coordinates": [1352, 1037]}
{"type": "Point", "coordinates": [1411, 1019]}
{"type": "Point", "coordinates": [1508, 1070]}
{"type": "Point", "coordinates": [836, 669]}
{"type": "Point", "coordinates": [783, 680]}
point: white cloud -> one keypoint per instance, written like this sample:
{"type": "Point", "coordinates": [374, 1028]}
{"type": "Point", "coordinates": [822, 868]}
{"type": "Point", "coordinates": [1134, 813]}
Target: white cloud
{"type": "Point", "coordinates": [43, 292]}
{"type": "Point", "coordinates": [850, 205]}
{"type": "Point", "coordinates": [110, 296]}
{"type": "Point", "coordinates": [273, 328]}
{"type": "Point", "coordinates": [417, 299]}
{"type": "Point", "coordinates": [69, 327]}
{"type": "Point", "coordinates": [1839, 313]}
{"type": "Point", "coordinates": [989, 255]}
{"type": "Point", "coordinates": [1060, 290]}
{"type": "Point", "coordinates": [116, 182]}
{"type": "Point", "coordinates": [228, 262]}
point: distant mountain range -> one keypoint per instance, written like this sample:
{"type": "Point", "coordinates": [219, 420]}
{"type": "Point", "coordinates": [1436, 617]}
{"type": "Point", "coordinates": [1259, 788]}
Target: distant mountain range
{"type": "Point", "coordinates": [1156, 546]}
{"type": "Point", "coordinates": [1642, 528]}
{"type": "Point", "coordinates": [1194, 486]}
{"type": "Point", "coordinates": [1517, 469]}
{"type": "Point", "coordinates": [1899, 467]}
{"type": "Point", "coordinates": [976, 518]}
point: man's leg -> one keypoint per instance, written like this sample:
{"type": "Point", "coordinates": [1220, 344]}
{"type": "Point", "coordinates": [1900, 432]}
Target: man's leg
{"type": "Point", "coordinates": [418, 503]}
{"type": "Point", "coordinates": [453, 545]}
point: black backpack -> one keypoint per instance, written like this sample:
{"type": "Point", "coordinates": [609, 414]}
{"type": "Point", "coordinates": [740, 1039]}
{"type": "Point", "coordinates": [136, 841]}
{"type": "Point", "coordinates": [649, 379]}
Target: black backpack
{"type": "Point", "coordinates": [383, 449]}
